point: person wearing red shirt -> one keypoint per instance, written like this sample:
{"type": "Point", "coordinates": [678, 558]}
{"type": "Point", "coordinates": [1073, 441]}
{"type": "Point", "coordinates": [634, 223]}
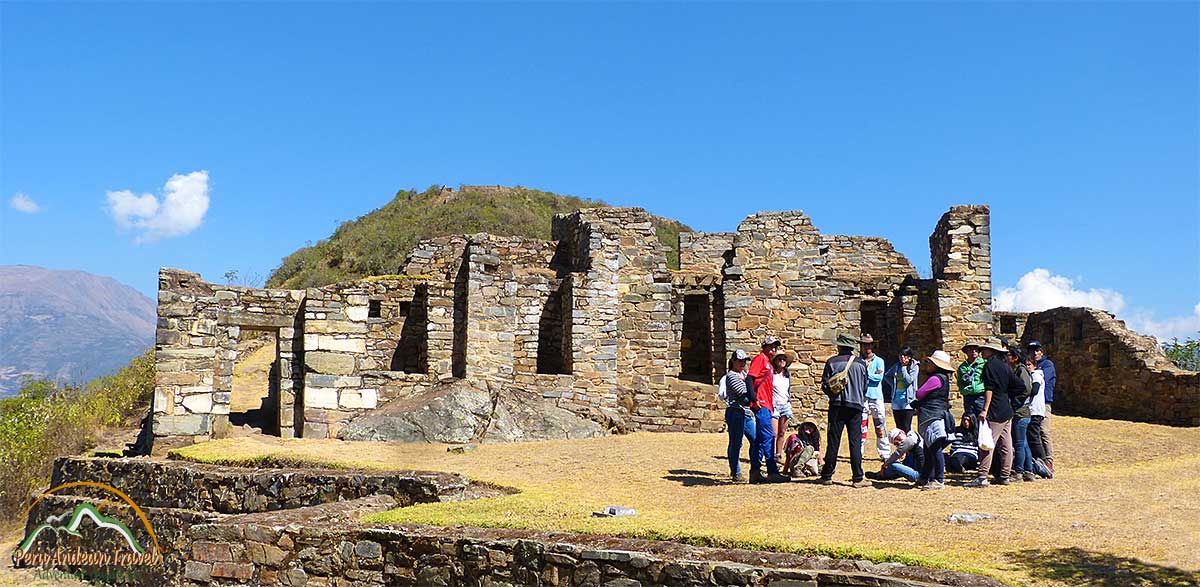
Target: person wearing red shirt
{"type": "Point", "coordinates": [762, 375]}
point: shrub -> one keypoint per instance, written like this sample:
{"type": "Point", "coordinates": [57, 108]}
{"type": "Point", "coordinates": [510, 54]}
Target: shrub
{"type": "Point", "coordinates": [46, 420]}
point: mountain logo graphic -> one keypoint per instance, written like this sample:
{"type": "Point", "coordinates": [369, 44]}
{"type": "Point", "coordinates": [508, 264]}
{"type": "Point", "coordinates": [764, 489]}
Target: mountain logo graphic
{"type": "Point", "coordinates": [83, 510]}
{"type": "Point", "coordinates": [128, 552]}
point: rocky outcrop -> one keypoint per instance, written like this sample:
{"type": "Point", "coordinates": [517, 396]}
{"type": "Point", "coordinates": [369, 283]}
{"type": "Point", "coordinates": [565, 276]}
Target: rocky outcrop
{"type": "Point", "coordinates": [460, 412]}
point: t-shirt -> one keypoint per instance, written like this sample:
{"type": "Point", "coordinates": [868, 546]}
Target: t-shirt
{"type": "Point", "coordinates": [782, 386]}
{"type": "Point", "coordinates": [764, 381]}
{"type": "Point", "coordinates": [875, 369]}
{"type": "Point", "coordinates": [1037, 403]}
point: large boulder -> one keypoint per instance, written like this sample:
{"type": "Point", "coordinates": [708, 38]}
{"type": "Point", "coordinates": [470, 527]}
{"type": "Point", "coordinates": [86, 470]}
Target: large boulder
{"type": "Point", "coordinates": [461, 412]}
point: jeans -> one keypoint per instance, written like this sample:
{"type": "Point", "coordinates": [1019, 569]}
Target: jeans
{"type": "Point", "coordinates": [973, 404]}
{"type": "Point", "coordinates": [962, 463]}
{"type": "Point", "coordinates": [739, 424]}
{"type": "Point", "coordinates": [873, 408]}
{"type": "Point", "coordinates": [848, 419]}
{"type": "Point", "coordinates": [901, 471]}
{"type": "Point", "coordinates": [1023, 459]}
{"type": "Point", "coordinates": [764, 443]}
{"type": "Point", "coordinates": [935, 461]}
{"type": "Point", "coordinates": [903, 419]}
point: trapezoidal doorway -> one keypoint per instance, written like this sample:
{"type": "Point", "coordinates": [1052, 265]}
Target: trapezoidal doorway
{"type": "Point", "coordinates": [254, 392]}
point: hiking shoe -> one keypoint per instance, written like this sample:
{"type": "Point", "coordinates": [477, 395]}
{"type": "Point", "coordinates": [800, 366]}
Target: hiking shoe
{"type": "Point", "coordinates": [874, 475]}
{"type": "Point", "coordinates": [777, 478]}
{"type": "Point", "coordinates": [756, 477]}
{"type": "Point", "coordinates": [978, 482]}
{"type": "Point", "coordinates": [860, 484]}
{"type": "Point", "coordinates": [933, 486]}
{"type": "Point", "coordinates": [1001, 481]}
{"type": "Point", "coordinates": [1029, 476]}
{"type": "Point", "coordinates": [922, 482]}
{"type": "Point", "coordinates": [826, 481]}
{"type": "Point", "coordinates": [737, 478]}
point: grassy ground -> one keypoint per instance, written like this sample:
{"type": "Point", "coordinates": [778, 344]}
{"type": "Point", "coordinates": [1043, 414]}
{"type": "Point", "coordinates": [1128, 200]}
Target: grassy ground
{"type": "Point", "coordinates": [1121, 511]}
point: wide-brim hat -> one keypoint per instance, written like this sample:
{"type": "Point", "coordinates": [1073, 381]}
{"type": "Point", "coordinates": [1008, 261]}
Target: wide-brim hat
{"type": "Point", "coordinates": [970, 344]}
{"type": "Point", "coordinates": [994, 344]}
{"type": "Point", "coordinates": [789, 356]}
{"type": "Point", "coordinates": [942, 359]}
{"type": "Point", "coordinates": [847, 340]}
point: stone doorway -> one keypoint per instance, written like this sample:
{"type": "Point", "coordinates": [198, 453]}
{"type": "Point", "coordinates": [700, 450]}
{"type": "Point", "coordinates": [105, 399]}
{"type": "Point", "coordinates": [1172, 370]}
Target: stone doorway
{"type": "Point", "coordinates": [696, 342]}
{"type": "Point", "coordinates": [254, 389]}
{"type": "Point", "coordinates": [875, 320]}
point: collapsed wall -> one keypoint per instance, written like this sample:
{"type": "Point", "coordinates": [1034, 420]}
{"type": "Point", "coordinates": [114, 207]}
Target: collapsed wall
{"type": "Point", "coordinates": [1106, 370]}
{"type": "Point", "coordinates": [592, 322]}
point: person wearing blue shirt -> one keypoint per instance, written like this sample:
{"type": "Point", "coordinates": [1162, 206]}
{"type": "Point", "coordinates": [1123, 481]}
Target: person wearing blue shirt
{"type": "Point", "coordinates": [873, 406]}
{"type": "Point", "coordinates": [1048, 373]}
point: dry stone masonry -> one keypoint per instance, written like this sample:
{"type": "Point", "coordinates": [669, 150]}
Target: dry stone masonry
{"type": "Point", "coordinates": [1106, 370]}
{"type": "Point", "coordinates": [592, 322]}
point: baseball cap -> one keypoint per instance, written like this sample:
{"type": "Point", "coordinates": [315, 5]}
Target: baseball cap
{"type": "Point", "coordinates": [770, 340]}
{"type": "Point", "coordinates": [740, 355]}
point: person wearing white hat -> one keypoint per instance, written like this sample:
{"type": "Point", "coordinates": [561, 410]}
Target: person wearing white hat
{"type": "Point", "coordinates": [933, 402]}
{"type": "Point", "coordinates": [739, 420]}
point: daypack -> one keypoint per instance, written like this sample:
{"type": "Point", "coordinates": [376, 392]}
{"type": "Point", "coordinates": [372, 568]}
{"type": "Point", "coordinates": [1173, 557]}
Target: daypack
{"type": "Point", "coordinates": [840, 380]}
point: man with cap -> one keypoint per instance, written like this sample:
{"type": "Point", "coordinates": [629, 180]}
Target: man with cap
{"type": "Point", "coordinates": [998, 409]}
{"type": "Point", "coordinates": [970, 379]}
{"type": "Point", "coordinates": [762, 373]}
{"type": "Point", "coordinates": [1047, 367]}
{"type": "Point", "coordinates": [844, 381]}
{"type": "Point", "coordinates": [873, 404]}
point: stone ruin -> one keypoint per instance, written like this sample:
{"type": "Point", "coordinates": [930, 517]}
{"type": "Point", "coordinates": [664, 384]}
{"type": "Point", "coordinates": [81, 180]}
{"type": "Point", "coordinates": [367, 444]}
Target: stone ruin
{"type": "Point", "coordinates": [487, 337]}
{"type": "Point", "coordinates": [1106, 370]}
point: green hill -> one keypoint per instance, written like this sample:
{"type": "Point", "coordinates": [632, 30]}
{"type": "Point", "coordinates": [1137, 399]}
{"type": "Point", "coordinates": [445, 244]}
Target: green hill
{"type": "Point", "coordinates": [376, 243]}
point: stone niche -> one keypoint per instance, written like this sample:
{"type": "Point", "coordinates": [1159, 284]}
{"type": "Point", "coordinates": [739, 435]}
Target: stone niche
{"type": "Point", "coordinates": [591, 321]}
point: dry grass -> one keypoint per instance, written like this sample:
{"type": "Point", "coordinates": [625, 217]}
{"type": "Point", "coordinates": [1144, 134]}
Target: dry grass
{"type": "Point", "coordinates": [1121, 511]}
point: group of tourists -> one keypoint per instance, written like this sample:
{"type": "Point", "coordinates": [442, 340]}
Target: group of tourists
{"type": "Point", "coordinates": [1007, 392]}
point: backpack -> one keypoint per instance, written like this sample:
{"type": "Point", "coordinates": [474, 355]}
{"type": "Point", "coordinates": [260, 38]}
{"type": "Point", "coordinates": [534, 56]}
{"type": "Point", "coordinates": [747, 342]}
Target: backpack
{"type": "Point", "coordinates": [840, 380]}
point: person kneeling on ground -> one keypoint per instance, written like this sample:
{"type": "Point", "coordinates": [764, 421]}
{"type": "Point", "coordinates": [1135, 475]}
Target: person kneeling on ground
{"type": "Point", "coordinates": [907, 458]}
{"type": "Point", "coordinates": [964, 448]}
{"type": "Point", "coordinates": [804, 451]}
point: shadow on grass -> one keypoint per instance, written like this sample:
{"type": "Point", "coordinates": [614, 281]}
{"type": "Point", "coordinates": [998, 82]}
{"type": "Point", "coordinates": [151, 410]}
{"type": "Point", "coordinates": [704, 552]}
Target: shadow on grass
{"type": "Point", "coordinates": [692, 478]}
{"type": "Point", "coordinates": [1075, 566]}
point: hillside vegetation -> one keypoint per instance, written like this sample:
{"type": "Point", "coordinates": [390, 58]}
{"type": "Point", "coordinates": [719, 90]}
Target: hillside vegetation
{"type": "Point", "coordinates": [376, 243]}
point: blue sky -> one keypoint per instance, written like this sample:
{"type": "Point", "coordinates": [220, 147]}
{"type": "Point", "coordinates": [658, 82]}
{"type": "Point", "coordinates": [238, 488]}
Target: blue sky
{"type": "Point", "coordinates": [1077, 122]}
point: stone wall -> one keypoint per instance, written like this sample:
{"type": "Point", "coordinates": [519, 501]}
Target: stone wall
{"type": "Point", "coordinates": [1108, 371]}
{"type": "Point", "coordinates": [301, 527]}
{"type": "Point", "coordinates": [593, 321]}
{"type": "Point", "coordinates": [960, 247]}
{"type": "Point", "coordinates": [199, 325]}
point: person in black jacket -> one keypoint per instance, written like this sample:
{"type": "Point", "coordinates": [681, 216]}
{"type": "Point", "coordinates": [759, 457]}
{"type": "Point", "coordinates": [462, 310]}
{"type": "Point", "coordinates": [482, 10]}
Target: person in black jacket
{"type": "Point", "coordinates": [846, 371]}
{"type": "Point", "coordinates": [998, 411]}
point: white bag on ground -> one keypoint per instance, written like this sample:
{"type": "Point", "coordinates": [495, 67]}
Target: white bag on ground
{"type": "Point", "coordinates": [986, 442]}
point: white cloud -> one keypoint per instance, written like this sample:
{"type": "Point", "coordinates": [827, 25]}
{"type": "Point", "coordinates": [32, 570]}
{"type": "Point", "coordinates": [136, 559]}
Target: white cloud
{"type": "Point", "coordinates": [181, 210]}
{"type": "Point", "coordinates": [1041, 290]}
{"type": "Point", "coordinates": [23, 203]}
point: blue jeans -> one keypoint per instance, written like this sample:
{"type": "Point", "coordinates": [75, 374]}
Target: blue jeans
{"type": "Point", "coordinates": [764, 443]}
{"type": "Point", "coordinates": [897, 471]}
{"type": "Point", "coordinates": [1023, 457]}
{"type": "Point", "coordinates": [973, 404]}
{"type": "Point", "coordinates": [739, 424]}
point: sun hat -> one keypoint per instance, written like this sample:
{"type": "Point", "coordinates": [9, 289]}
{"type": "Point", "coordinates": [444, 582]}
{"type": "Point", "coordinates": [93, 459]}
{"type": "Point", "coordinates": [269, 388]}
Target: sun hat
{"type": "Point", "coordinates": [970, 344]}
{"type": "Point", "coordinates": [866, 339]}
{"type": "Point", "coordinates": [994, 344]}
{"type": "Point", "coordinates": [847, 340]}
{"type": "Point", "coordinates": [942, 359]}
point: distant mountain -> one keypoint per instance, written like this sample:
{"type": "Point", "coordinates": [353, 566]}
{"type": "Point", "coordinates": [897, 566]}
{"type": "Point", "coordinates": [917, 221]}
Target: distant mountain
{"type": "Point", "coordinates": [376, 243]}
{"type": "Point", "coordinates": [68, 325]}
